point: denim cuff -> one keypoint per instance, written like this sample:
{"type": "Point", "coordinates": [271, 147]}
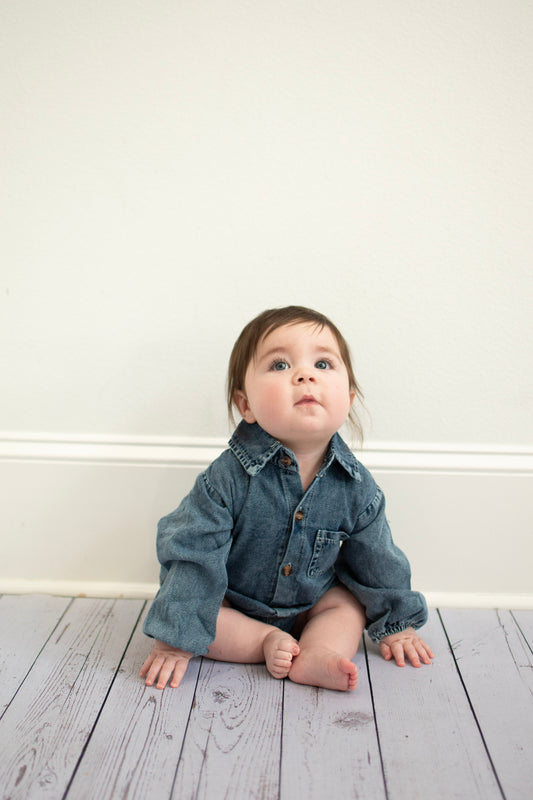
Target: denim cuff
{"type": "Point", "coordinates": [398, 627]}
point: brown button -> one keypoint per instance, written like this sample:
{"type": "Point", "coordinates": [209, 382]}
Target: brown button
{"type": "Point", "coordinates": [299, 515]}
{"type": "Point", "coordinates": [286, 570]}
{"type": "Point", "coordinates": [286, 461]}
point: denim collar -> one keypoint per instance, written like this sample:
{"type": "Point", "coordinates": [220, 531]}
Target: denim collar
{"type": "Point", "coordinates": [254, 448]}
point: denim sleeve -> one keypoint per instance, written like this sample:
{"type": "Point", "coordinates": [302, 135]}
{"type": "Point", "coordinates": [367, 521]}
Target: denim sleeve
{"type": "Point", "coordinates": [193, 543]}
{"type": "Point", "coordinates": [378, 574]}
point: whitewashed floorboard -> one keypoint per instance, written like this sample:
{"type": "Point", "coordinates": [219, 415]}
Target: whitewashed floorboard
{"type": "Point", "coordinates": [25, 625]}
{"type": "Point", "coordinates": [232, 747]}
{"type": "Point", "coordinates": [134, 750]}
{"type": "Point", "coordinates": [524, 620]}
{"type": "Point", "coordinates": [45, 728]}
{"type": "Point", "coordinates": [430, 743]}
{"type": "Point", "coordinates": [496, 665]}
{"type": "Point", "coordinates": [70, 711]}
{"type": "Point", "coordinates": [330, 745]}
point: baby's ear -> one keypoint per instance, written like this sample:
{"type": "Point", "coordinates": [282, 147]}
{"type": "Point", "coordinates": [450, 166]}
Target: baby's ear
{"type": "Point", "coordinates": [241, 401]}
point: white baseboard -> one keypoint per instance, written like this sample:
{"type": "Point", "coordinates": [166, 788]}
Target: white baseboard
{"type": "Point", "coordinates": [144, 591]}
{"type": "Point", "coordinates": [516, 602]}
{"type": "Point", "coordinates": [78, 513]}
{"type": "Point", "coordinates": [147, 591]}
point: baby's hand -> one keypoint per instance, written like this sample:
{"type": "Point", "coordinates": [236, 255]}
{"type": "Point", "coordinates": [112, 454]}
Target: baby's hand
{"type": "Point", "coordinates": [165, 661]}
{"type": "Point", "coordinates": [407, 643]}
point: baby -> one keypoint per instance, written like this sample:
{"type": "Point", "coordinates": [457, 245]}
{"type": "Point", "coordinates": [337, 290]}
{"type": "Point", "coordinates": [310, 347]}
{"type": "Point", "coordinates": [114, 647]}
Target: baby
{"type": "Point", "coordinates": [281, 553]}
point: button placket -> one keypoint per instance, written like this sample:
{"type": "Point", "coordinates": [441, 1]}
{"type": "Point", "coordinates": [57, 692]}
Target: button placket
{"type": "Point", "coordinates": [284, 593]}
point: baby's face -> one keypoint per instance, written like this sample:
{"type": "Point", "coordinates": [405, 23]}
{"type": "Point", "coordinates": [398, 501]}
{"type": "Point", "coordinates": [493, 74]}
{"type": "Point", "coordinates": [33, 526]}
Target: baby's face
{"type": "Point", "coordinates": [297, 386]}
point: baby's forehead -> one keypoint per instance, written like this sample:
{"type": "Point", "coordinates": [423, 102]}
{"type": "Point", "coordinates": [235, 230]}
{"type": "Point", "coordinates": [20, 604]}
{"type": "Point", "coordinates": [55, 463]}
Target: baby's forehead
{"type": "Point", "coordinates": [290, 333]}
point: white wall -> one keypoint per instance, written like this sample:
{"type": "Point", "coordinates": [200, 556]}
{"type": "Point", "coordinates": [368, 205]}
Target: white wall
{"type": "Point", "coordinates": [169, 169]}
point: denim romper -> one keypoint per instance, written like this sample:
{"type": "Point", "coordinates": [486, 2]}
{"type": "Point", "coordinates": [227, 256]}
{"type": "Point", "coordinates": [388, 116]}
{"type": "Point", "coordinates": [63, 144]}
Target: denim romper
{"type": "Point", "coordinates": [248, 532]}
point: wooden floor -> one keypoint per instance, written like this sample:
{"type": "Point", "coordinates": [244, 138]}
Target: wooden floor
{"type": "Point", "coordinates": [76, 721]}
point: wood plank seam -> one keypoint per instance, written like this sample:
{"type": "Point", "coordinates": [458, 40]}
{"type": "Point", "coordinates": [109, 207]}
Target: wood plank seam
{"type": "Point", "coordinates": [281, 736]}
{"type": "Point", "coordinates": [37, 656]}
{"type": "Point", "coordinates": [186, 728]}
{"type": "Point", "coordinates": [463, 684]}
{"type": "Point", "coordinates": [522, 631]}
{"type": "Point", "coordinates": [104, 700]}
{"type": "Point", "coordinates": [375, 718]}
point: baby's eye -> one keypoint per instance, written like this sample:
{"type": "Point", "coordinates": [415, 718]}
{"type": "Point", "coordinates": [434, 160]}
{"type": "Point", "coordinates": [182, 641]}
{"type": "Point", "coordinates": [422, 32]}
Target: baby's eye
{"type": "Point", "coordinates": [278, 365]}
{"type": "Point", "coordinates": [323, 364]}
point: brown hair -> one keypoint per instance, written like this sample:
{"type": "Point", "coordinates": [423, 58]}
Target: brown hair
{"type": "Point", "coordinates": [260, 327]}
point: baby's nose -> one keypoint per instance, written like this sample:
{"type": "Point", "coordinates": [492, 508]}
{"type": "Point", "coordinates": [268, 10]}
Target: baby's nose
{"type": "Point", "coordinates": [305, 377]}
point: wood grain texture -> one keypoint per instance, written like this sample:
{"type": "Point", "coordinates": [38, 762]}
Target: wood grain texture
{"type": "Point", "coordinates": [496, 665]}
{"type": "Point", "coordinates": [135, 747]}
{"type": "Point", "coordinates": [80, 723]}
{"type": "Point", "coordinates": [233, 745]}
{"type": "Point", "coordinates": [330, 743]}
{"type": "Point", "coordinates": [45, 728]}
{"type": "Point", "coordinates": [25, 625]}
{"type": "Point", "coordinates": [430, 743]}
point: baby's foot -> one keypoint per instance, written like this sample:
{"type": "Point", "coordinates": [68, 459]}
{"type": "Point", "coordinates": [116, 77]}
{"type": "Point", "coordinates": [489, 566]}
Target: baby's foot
{"type": "Point", "coordinates": [279, 649]}
{"type": "Point", "coordinates": [324, 668]}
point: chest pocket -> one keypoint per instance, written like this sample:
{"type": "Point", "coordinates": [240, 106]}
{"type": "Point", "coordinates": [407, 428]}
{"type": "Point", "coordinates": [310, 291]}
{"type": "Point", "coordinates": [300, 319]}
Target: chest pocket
{"type": "Point", "coordinates": [325, 551]}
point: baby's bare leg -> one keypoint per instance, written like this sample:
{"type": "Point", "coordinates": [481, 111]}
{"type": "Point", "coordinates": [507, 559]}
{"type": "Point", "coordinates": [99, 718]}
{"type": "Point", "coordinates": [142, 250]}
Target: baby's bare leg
{"type": "Point", "coordinates": [329, 641]}
{"type": "Point", "coordinates": [247, 641]}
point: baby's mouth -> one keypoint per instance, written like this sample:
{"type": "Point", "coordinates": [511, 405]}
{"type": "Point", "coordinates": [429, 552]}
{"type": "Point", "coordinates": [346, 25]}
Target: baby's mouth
{"type": "Point", "coordinates": [306, 400]}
